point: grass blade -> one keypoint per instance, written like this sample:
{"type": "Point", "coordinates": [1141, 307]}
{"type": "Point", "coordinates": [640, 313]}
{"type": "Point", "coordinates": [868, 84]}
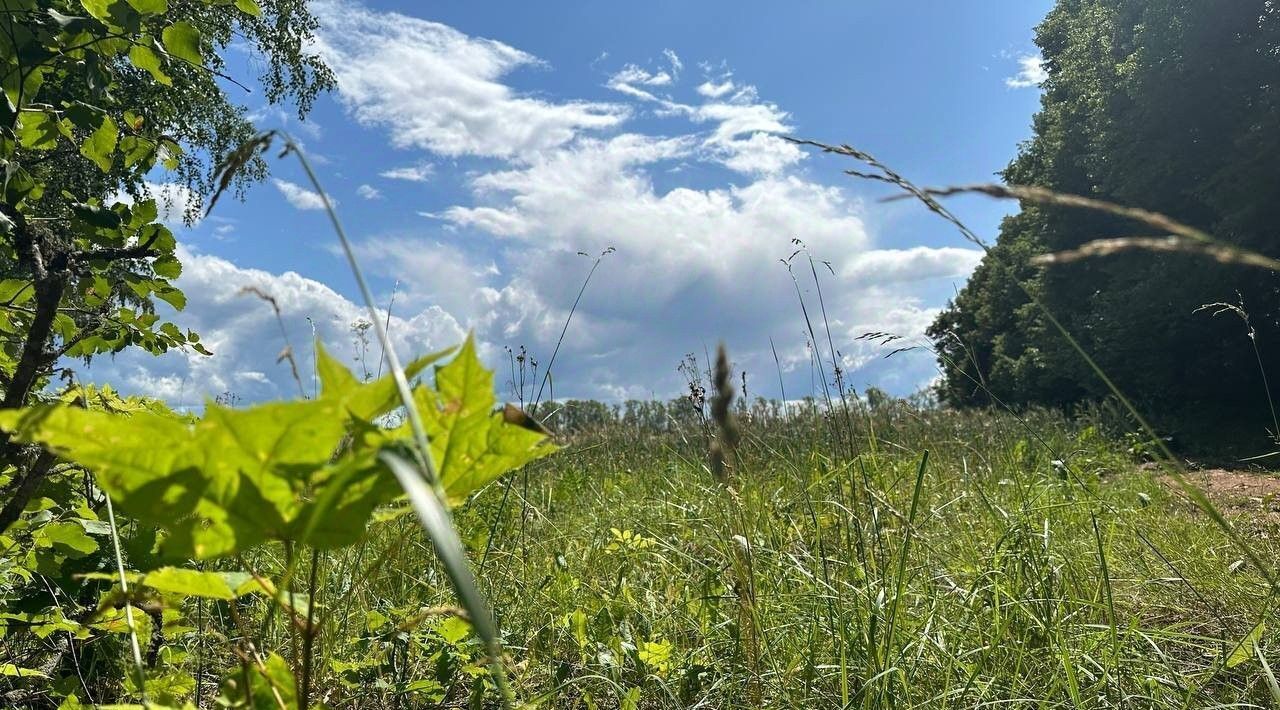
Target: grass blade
{"type": "Point", "coordinates": [438, 525]}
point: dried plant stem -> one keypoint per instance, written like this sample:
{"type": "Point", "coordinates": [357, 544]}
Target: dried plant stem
{"type": "Point", "coordinates": [1170, 463]}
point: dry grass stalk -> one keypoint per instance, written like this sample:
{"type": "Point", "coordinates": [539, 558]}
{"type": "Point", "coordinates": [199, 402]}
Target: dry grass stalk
{"type": "Point", "coordinates": [723, 445]}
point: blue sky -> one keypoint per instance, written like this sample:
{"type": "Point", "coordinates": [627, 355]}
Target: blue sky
{"type": "Point", "coordinates": [475, 148]}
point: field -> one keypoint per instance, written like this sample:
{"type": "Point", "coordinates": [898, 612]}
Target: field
{"type": "Point", "coordinates": [934, 559]}
{"type": "Point", "coordinates": [263, 516]}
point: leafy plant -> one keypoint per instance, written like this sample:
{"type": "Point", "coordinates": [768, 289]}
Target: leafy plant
{"type": "Point", "coordinates": [303, 473]}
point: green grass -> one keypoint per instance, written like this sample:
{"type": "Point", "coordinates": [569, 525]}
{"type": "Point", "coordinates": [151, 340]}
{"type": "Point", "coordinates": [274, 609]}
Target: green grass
{"type": "Point", "coordinates": [1040, 568]}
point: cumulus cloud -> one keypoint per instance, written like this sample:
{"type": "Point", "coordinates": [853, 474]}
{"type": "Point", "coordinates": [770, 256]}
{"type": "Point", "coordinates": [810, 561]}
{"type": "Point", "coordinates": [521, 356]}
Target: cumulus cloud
{"type": "Point", "coordinates": [242, 332]}
{"type": "Point", "coordinates": [690, 265]}
{"type": "Point", "coordinates": [369, 192]}
{"type": "Point", "coordinates": [411, 173]}
{"type": "Point", "coordinates": [431, 86]}
{"type": "Point", "coordinates": [1031, 72]}
{"type": "Point", "coordinates": [883, 266]}
{"type": "Point", "coordinates": [551, 183]}
{"type": "Point", "coordinates": [299, 196]}
{"type": "Point", "coordinates": [744, 135]}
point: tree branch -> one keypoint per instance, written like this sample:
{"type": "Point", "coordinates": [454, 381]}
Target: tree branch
{"type": "Point", "coordinates": [134, 252]}
{"type": "Point", "coordinates": [21, 492]}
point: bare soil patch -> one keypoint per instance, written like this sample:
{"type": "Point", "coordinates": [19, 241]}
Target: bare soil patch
{"type": "Point", "coordinates": [1247, 493]}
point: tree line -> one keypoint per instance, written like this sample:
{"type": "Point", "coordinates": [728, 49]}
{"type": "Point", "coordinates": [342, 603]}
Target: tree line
{"type": "Point", "coordinates": [1167, 105]}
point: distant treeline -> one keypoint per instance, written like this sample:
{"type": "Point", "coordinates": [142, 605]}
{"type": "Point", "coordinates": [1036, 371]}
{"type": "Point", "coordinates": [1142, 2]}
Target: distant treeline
{"type": "Point", "coordinates": [1168, 105]}
{"type": "Point", "coordinates": [686, 413]}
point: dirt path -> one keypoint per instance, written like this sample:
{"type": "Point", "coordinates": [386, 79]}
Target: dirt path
{"type": "Point", "coordinates": [1239, 492]}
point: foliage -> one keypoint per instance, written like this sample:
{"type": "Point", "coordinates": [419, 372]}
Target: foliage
{"type": "Point", "coordinates": [1162, 105]}
{"type": "Point", "coordinates": [302, 473]}
{"type": "Point", "coordinates": [101, 97]}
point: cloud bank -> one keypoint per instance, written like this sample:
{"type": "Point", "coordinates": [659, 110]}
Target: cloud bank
{"type": "Point", "coordinates": [550, 183]}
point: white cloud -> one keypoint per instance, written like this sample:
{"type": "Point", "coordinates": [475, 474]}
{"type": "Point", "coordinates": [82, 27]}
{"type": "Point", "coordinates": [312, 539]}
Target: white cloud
{"type": "Point", "coordinates": [744, 137]}
{"type": "Point", "coordinates": [412, 173]}
{"type": "Point", "coordinates": [1031, 72]}
{"type": "Point", "coordinates": [884, 266]}
{"type": "Point", "coordinates": [673, 59]}
{"type": "Point", "coordinates": [713, 90]}
{"type": "Point", "coordinates": [693, 264]}
{"type": "Point", "coordinates": [242, 332]}
{"type": "Point", "coordinates": [434, 87]}
{"type": "Point", "coordinates": [299, 196]}
{"type": "Point", "coordinates": [369, 192]}
{"type": "Point", "coordinates": [632, 74]}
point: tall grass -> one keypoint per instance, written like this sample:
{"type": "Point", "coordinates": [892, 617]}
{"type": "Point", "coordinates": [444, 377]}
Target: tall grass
{"type": "Point", "coordinates": [996, 579]}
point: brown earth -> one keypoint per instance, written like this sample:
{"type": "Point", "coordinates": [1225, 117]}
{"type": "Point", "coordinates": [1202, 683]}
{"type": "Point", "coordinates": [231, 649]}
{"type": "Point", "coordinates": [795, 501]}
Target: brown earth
{"type": "Point", "coordinates": [1247, 493]}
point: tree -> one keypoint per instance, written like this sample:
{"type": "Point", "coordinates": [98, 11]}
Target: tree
{"type": "Point", "coordinates": [99, 96]}
{"type": "Point", "coordinates": [1167, 105]}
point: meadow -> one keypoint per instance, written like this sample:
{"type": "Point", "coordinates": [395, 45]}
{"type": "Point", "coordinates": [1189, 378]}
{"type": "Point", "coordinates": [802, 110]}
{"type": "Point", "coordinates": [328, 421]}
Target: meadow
{"type": "Point", "coordinates": [904, 557]}
{"type": "Point", "coordinates": [1019, 535]}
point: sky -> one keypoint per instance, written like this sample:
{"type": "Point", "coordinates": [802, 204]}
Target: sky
{"type": "Point", "coordinates": [483, 155]}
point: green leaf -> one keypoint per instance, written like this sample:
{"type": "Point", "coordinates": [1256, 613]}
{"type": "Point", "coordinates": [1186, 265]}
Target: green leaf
{"type": "Point", "coordinates": [453, 629]}
{"type": "Point", "coordinates": [472, 445]}
{"type": "Point", "coordinates": [301, 470]}
{"type": "Point", "coordinates": [101, 144]}
{"type": "Point", "coordinates": [96, 215]}
{"type": "Point", "coordinates": [249, 7]}
{"type": "Point", "coordinates": [99, 9]}
{"type": "Point", "coordinates": [38, 130]}
{"type": "Point", "coordinates": [150, 7]}
{"type": "Point", "coordinates": [365, 400]}
{"type": "Point", "coordinates": [182, 40]}
{"type": "Point", "coordinates": [15, 671]}
{"type": "Point", "coordinates": [16, 291]}
{"type": "Point", "coordinates": [167, 267]}
{"type": "Point", "coordinates": [69, 536]}
{"type": "Point", "coordinates": [174, 297]}
{"type": "Point", "coordinates": [269, 686]}
{"type": "Point", "coordinates": [144, 213]}
{"type": "Point", "coordinates": [1244, 650]}
{"type": "Point", "coordinates": [348, 494]}
{"type": "Point", "coordinates": [189, 582]}
{"type": "Point", "coordinates": [150, 62]}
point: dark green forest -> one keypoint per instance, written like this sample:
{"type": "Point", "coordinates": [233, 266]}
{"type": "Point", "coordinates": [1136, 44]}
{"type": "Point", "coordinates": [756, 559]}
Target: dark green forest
{"type": "Point", "coordinates": [1168, 105]}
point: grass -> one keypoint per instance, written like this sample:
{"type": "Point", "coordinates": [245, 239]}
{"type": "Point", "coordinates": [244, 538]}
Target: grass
{"type": "Point", "coordinates": [1003, 571]}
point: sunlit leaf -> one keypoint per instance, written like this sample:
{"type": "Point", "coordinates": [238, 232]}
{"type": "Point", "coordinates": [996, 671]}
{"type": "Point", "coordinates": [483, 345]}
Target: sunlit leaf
{"type": "Point", "coordinates": [101, 144]}
{"type": "Point", "coordinates": [143, 58]}
{"type": "Point", "coordinates": [67, 536]}
{"type": "Point", "coordinates": [1243, 651]}
{"type": "Point", "coordinates": [150, 7]}
{"type": "Point", "coordinates": [189, 582]}
{"type": "Point", "coordinates": [472, 445]}
{"type": "Point", "coordinates": [14, 671]}
{"type": "Point", "coordinates": [182, 40]}
{"type": "Point", "coordinates": [270, 685]}
{"type": "Point", "coordinates": [38, 130]}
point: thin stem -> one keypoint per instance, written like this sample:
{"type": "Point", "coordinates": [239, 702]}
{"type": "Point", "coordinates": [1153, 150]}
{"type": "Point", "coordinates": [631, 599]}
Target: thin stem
{"type": "Point", "coordinates": [423, 447]}
{"type": "Point", "coordinates": [547, 373]}
{"type": "Point", "coordinates": [140, 673]}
